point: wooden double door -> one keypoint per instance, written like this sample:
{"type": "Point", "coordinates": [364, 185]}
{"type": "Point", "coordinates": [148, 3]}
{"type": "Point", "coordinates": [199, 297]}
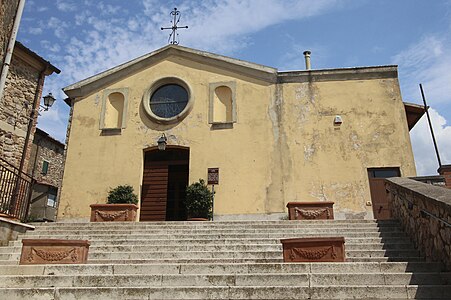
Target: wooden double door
{"type": "Point", "coordinates": [164, 184]}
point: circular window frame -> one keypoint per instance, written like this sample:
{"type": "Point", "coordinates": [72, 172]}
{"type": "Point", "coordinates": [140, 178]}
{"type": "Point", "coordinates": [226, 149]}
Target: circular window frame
{"type": "Point", "coordinates": [154, 87]}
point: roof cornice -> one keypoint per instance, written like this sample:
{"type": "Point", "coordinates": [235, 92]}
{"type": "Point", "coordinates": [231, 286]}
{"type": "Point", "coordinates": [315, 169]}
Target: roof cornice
{"type": "Point", "coordinates": [96, 82]}
{"type": "Point", "coordinates": [357, 73]}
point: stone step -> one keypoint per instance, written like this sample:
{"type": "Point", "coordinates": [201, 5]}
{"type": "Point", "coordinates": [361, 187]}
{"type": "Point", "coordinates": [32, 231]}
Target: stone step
{"type": "Point", "coordinates": [218, 223]}
{"type": "Point", "coordinates": [217, 236]}
{"type": "Point", "coordinates": [223, 268]}
{"type": "Point", "coordinates": [224, 260]}
{"type": "Point", "coordinates": [141, 226]}
{"type": "Point", "coordinates": [241, 260]}
{"type": "Point", "coordinates": [212, 232]}
{"type": "Point", "coordinates": [159, 230]}
{"type": "Point", "coordinates": [223, 254]}
{"type": "Point", "coordinates": [234, 292]}
{"type": "Point", "coordinates": [224, 241]}
{"type": "Point", "coordinates": [256, 279]}
{"type": "Point", "coordinates": [211, 247]}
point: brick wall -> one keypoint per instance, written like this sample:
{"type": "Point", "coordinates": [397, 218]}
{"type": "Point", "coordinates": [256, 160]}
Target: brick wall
{"type": "Point", "coordinates": [445, 171]}
{"type": "Point", "coordinates": [424, 211]}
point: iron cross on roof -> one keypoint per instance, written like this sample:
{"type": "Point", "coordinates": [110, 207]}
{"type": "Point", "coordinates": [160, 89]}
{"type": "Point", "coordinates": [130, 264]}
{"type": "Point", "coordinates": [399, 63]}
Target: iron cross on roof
{"type": "Point", "coordinates": [174, 27]}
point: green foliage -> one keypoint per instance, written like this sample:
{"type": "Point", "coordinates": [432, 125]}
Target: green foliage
{"type": "Point", "coordinates": [199, 200]}
{"type": "Point", "coordinates": [122, 194]}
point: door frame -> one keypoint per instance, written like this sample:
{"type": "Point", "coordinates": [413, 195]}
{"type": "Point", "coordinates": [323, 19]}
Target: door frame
{"type": "Point", "coordinates": [144, 187]}
{"type": "Point", "coordinates": [381, 207]}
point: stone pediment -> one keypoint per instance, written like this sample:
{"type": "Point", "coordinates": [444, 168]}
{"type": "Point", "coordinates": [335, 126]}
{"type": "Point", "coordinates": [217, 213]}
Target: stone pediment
{"type": "Point", "coordinates": [96, 82]}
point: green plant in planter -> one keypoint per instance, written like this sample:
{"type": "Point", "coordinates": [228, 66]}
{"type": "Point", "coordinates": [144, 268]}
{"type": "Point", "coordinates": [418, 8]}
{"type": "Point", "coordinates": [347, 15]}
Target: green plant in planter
{"type": "Point", "coordinates": [199, 200]}
{"type": "Point", "coordinates": [122, 194]}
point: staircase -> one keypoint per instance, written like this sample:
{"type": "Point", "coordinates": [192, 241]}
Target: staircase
{"type": "Point", "coordinates": [224, 260]}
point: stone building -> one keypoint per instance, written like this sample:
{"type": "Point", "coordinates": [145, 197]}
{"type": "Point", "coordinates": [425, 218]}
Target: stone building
{"type": "Point", "coordinates": [20, 103]}
{"type": "Point", "coordinates": [8, 10]}
{"type": "Point", "coordinates": [46, 167]}
{"type": "Point", "coordinates": [21, 81]}
{"type": "Point", "coordinates": [276, 137]}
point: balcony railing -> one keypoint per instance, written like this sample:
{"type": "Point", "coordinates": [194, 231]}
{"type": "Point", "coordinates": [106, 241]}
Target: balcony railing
{"type": "Point", "coordinates": [15, 191]}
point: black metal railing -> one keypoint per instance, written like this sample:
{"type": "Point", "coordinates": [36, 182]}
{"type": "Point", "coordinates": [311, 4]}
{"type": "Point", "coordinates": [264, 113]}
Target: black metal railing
{"type": "Point", "coordinates": [15, 191]}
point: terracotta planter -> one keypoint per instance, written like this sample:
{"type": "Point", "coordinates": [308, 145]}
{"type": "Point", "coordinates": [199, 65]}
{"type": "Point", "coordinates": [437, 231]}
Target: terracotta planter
{"type": "Point", "coordinates": [328, 249]}
{"type": "Point", "coordinates": [50, 251]}
{"type": "Point", "coordinates": [113, 212]}
{"type": "Point", "coordinates": [319, 210]}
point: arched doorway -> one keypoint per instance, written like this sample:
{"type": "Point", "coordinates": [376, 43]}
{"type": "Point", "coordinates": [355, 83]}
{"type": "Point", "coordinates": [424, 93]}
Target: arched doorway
{"type": "Point", "coordinates": [164, 182]}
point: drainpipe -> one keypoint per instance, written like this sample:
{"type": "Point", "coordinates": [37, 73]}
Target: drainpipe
{"type": "Point", "coordinates": [9, 50]}
{"type": "Point", "coordinates": [308, 65]}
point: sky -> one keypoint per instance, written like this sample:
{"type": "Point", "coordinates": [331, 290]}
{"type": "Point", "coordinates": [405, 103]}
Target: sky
{"type": "Point", "coordinates": [85, 37]}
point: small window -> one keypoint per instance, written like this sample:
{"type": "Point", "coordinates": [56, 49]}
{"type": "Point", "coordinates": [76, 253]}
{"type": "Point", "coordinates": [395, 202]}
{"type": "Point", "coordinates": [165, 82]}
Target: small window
{"type": "Point", "coordinates": [45, 167]}
{"type": "Point", "coordinates": [383, 172]}
{"type": "Point", "coordinates": [169, 100]}
{"type": "Point", "coordinates": [51, 197]}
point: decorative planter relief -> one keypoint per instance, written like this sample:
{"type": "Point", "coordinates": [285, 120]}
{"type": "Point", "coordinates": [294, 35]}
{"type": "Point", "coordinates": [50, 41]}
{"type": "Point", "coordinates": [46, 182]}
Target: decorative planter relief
{"type": "Point", "coordinates": [50, 251]}
{"type": "Point", "coordinates": [328, 249]}
{"type": "Point", "coordinates": [319, 210]}
{"type": "Point", "coordinates": [113, 212]}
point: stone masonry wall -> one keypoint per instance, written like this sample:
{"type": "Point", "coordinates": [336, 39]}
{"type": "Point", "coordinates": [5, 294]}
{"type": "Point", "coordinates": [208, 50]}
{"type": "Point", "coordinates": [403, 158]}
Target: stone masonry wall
{"type": "Point", "coordinates": [414, 204]}
{"type": "Point", "coordinates": [15, 110]}
{"type": "Point", "coordinates": [48, 149]}
{"type": "Point", "coordinates": [8, 10]}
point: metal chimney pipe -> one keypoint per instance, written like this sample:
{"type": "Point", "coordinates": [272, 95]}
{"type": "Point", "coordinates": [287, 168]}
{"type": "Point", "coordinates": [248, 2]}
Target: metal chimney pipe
{"type": "Point", "coordinates": [308, 65]}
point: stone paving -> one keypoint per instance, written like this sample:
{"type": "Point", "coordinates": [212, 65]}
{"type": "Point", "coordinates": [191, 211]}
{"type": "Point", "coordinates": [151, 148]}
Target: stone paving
{"type": "Point", "coordinates": [224, 260]}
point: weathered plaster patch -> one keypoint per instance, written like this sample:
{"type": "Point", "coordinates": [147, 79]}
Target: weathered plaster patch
{"type": "Point", "coordinates": [275, 188]}
{"type": "Point", "coordinates": [97, 100]}
{"type": "Point", "coordinates": [305, 94]}
{"type": "Point", "coordinates": [355, 141]}
{"type": "Point", "coordinates": [309, 150]}
{"type": "Point", "coordinates": [86, 121]}
{"type": "Point", "coordinates": [318, 192]}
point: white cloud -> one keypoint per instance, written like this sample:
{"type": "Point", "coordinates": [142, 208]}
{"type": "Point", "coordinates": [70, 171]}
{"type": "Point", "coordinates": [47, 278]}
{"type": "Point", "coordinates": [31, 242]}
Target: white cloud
{"type": "Point", "coordinates": [223, 25]}
{"type": "Point", "coordinates": [54, 22]}
{"type": "Point", "coordinates": [53, 47]}
{"type": "Point", "coordinates": [35, 30]}
{"type": "Point", "coordinates": [66, 5]}
{"type": "Point", "coordinates": [108, 9]}
{"type": "Point", "coordinates": [423, 148]}
{"type": "Point", "coordinates": [428, 62]}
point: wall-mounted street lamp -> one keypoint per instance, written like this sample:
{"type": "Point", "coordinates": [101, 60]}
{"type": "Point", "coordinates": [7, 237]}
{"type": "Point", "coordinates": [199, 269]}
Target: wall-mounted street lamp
{"type": "Point", "coordinates": [48, 102]}
{"type": "Point", "coordinates": [162, 142]}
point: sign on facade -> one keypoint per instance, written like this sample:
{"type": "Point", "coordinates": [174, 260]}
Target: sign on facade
{"type": "Point", "coordinates": [213, 175]}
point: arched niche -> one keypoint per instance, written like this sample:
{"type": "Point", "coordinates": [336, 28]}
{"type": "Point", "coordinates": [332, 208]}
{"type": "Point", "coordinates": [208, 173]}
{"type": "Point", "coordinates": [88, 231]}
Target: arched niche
{"type": "Point", "coordinates": [114, 109]}
{"type": "Point", "coordinates": [222, 103]}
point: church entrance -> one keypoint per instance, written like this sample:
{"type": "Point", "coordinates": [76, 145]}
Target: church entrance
{"type": "Point", "coordinates": [164, 182]}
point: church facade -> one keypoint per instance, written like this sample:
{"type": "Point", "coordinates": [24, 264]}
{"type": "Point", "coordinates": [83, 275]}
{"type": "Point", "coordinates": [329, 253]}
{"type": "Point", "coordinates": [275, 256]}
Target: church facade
{"type": "Point", "coordinates": [276, 137]}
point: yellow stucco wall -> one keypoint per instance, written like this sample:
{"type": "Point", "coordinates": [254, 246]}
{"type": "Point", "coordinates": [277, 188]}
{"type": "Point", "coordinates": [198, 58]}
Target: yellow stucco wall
{"type": "Point", "coordinates": [283, 147]}
{"type": "Point", "coordinates": [323, 161]}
